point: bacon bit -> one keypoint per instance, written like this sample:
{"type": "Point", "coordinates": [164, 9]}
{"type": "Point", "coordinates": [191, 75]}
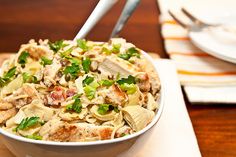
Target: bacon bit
{"type": "Point", "coordinates": [58, 88]}
{"type": "Point", "coordinates": [70, 92]}
{"type": "Point", "coordinates": [57, 96]}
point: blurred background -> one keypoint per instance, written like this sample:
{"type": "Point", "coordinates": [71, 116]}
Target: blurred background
{"type": "Point", "coordinates": [62, 19]}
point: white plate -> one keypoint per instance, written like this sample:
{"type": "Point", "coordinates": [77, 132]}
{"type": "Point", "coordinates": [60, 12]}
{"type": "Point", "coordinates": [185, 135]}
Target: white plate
{"type": "Point", "coordinates": [216, 42]}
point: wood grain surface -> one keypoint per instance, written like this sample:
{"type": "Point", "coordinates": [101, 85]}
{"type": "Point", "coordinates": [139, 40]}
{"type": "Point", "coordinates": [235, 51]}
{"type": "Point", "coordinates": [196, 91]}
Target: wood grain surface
{"type": "Point", "coordinates": [214, 125]}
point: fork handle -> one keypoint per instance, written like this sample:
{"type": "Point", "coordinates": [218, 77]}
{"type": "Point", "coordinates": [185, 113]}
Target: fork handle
{"type": "Point", "coordinates": [129, 8]}
{"type": "Point", "coordinates": [100, 10]}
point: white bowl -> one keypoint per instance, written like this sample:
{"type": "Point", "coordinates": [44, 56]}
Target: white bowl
{"type": "Point", "coordinates": [23, 147]}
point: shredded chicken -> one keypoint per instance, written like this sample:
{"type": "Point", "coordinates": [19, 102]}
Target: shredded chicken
{"type": "Point", "coordinates": [112, 66]}
{"type": "Point", "coordinates": [7, 114]}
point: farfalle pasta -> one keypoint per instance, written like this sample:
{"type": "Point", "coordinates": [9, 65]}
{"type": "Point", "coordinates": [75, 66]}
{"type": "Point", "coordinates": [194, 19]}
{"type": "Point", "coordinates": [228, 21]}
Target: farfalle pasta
{"type": "Point", "coordinates": [80, 90]}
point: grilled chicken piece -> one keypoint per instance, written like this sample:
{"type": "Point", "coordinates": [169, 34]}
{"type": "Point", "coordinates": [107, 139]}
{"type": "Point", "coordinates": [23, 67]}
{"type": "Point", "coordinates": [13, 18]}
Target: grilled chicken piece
{"type": "Point", "coordinates": [91, 132]}
{"type": "Point", "coordinates": [5, 105]}
{"type": "Point", "coordinates": [144, 82]}
{"type": "Point", "coordinates": [112, 66]}
{"type": "Point", "coordinates": [22, 96]}
{"type": "Point", "coordinates": [36, 51]}
{"type": "Point", "coordinates": [153, 77]}
{"type": "Point", "coordinates": [57, 130]}
{"type": "Point", "coordinates": [7, 114]}
{"type": "Point", "coordinates": [50, 72]}
{"type": "Point", "coordinates": [115, 96]}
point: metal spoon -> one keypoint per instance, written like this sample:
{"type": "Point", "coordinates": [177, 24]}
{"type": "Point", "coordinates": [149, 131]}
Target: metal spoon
{"type": "Point", "coordinates": [100, 10]}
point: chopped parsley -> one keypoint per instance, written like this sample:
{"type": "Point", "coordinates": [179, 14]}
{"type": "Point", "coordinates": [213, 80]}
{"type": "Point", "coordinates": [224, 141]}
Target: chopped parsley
{"type": "Point", "coordinates": [124, 56]}
{"type": "Point", "coordinates": [116, 48]}
{"type": "Point", "coordinates": [82, 44]}
{"type": "Point", "coordinates": [72, 70]}
{"type": "Point", "coordinates": [130, 53]}
{"type": "Point", "coordinates": [66, 53]}
{"type": "Point", "coordinates": [7, 77]}
{"type": "Point", "coordinates": [74, 60]}
{"type": "Point", "coordinates": [34, 137]}
{"type": "Point", "coordinates": [90, 92]}
{"type": "Point", "coordinates": [23, 57]}
{"type": "Point", "coordinates": [27, 78]}
{"type": "Point", "coordinates": [116, 109]}
{"type": "Point", "coordinates": [76, 106]}
{"type": "Point", "coordinates": [106, 82]}
{"type": "Point", "coordinates": [129, 80]}
{"type": "Point", "coordinates": [105, 108]}
{"type": "Point", "coordinates": [88, 80]}
{"type": "Point", "coordinates": [45, 61]}
{"type": "Point", "coordinates": [86, 65]}
{"type": "Point", "coordinates": [27, 123]}
{"type": "Point", "coordinates": [77, 96]}
{"type": "Point", "coordinates": [129, 88]}
{"type": "Point", "coordinates": [106, 51]}
{"type": "Point", "coordinates": [57, 45]}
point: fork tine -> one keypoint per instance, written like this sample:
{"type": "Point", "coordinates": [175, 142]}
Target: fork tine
{"type": "Point", "coordinates": [178, 20]}
{"type": "Point", "coordinates": [192, 17]}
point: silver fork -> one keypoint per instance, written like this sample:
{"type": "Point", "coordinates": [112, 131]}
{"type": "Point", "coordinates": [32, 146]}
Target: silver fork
{"type": "Point", "coordinates": [129, 8]}
{"type": "Point", "coordinates": [199, 25]}
{"type": "Point", "coordinates": [196, 26]}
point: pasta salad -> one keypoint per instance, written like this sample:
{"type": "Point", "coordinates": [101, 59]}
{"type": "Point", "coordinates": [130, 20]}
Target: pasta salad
{"type": "Point", "coordinates": [80, 90]}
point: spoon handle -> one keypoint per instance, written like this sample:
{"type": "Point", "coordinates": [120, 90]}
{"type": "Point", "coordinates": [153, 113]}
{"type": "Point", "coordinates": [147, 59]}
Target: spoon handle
{"type": "Point", "coordinates": [100, 10]}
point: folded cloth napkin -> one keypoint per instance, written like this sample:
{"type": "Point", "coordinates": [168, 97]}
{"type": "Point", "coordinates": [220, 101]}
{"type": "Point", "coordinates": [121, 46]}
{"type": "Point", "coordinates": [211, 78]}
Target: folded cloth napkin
{"type": "Point", "coordinates": [173, 134]}
{"type": "Point", "coordinates": [205, 78]}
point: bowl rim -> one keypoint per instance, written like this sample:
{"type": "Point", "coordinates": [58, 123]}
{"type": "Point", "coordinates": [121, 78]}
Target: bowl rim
{"type": "Point", "coordinates": [101, 142]}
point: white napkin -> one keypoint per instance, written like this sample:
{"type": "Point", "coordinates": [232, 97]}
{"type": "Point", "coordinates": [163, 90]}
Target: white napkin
{"type": "Point", "coordinates": [173, 134]}
{"type": "Point", "coordinates": [206, 79]}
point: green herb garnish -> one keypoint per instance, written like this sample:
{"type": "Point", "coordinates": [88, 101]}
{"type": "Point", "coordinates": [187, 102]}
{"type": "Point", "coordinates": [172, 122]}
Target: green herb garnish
{"type": "Point", "coordinates": [66, 54]}
{"type": "Point", "coordinates": [86, 65]}
{"type": "Point", "coordinates": [88, 80]}
{"type": "Point", "coordinates": [106, 82]}
{"type": "Point", "coordinates": [116, 48]}
{"type": "Point", "coordinates": [116, 109]}
{"type": "Point", "coordinates": [72, 70]}
{"type": "Point", "coordinates": [7, 77]}
{"type": "Point", "coordinates": [56, 46]}
{"type": "Point", "coordinates": [27, 123]}
{"type": "Point", "coordinates": [27, 78]}
{"type": "Point", "coordinates": [74, 60]}
{"type": "Point", "coordinates": [124, 56]}
{"type": "Point", "coordinates": [90, 92]}
{"type": "Point", "coordinates": [76, 106]}
{"type": "Point", "coordinates": [23, 57]}
{"type": "Point", "coordinates": [129, 80]}
{"type": "Point", "coordinates": [105, 108]}
{"type": "Point", "coordinates": [45, 61]}
{"type": "Point", "coordinates": [129, 88]}
{"type": "Point", "coordinates": [106, 51]}
{"type": "Point", "coordinates": [130, 53]}
{"type": "Point", "coordinates": [82, 44]}
{"type": "Point", "coordinates": [34, 137]}
{"type": "Point", "coordinates": [77, 96]}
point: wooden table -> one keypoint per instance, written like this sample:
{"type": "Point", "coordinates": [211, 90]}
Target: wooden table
{"type": "Point", "coordinates": [214, 125]}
